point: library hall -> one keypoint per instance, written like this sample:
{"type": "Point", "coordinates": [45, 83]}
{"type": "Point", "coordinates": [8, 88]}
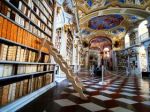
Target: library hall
{"type": "Point", "coordinates": [74, 55]}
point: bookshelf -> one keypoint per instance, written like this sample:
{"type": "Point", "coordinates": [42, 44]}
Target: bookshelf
{"type": "Point", "coordinates": [121, 61]}
{"type": "Point", "coordinates": [69, 47]}
{"type": "Point", "coordinates": [58, 39]}
{"type": "Point", "coordinates": [25, 64]}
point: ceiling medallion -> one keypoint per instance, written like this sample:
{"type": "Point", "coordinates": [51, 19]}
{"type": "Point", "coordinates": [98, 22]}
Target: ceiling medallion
{"type": "Point", "coordinates": [105, 22]}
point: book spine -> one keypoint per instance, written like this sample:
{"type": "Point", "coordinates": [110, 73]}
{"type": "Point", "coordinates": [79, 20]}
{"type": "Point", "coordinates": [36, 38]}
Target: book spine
{"type": "Point", "coordinates": [9, 30]}
{"type": "Point", "coordinates": [17, 90]}
{"type": "Point", "coordinates": [4, 28]}
{"type": "Point", "coordinates": [7, 70]}
{"type": "Point", "coordinates": [1, 25]}
{"type": "Point", "coordinates": [5, 93]}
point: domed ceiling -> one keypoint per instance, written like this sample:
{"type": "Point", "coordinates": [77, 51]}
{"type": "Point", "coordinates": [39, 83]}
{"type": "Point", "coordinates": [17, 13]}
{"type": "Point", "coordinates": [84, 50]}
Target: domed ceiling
{"type": "Point", "coordinates": [110, 18]}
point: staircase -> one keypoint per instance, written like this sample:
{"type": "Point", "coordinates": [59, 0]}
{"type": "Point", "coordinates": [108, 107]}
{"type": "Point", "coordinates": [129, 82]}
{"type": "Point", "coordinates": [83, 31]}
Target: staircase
{"type": "Point", "coordinates": [78, 86]}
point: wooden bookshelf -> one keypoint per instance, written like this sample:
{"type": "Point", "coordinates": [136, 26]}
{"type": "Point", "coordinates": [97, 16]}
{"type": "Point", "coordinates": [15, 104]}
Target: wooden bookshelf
{"type": "Point", "coordinates": [23, 25]}
{"type": "Point", "coordinates": [25, 17]}
{"type": "Point", "coordinates": [13, 79]}
{"type": "Point", "coordinates": [58, 39]}
{"type": "Point", "coordinates": [69, 47]}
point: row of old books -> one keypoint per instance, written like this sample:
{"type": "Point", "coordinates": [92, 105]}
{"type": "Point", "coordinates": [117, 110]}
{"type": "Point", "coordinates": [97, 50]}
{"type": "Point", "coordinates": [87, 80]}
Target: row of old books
{"type": "Point", "coordinates": [12, 31]}
{"type": "Point", "coordinates": [28, 13]}
{"type": "Point", "coordinates": [39, 10]}
{"type": "Point", "coordinates": [15, 33]}
{"type": "Point", "coordinates": [17, 53]}
{"type": "Point", "coordinates": [7, 70]}
{"type": "Point", "coordinates": [47, 4]}
{"type": "Point", "coordinates": [9, 93]}
{"type": "Point", "coordinates": [45, 8]}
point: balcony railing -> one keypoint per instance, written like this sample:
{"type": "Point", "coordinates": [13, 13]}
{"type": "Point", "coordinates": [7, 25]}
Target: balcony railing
{"type": "Point", "coordinates": [144, 36]}
{"type": "Point", "coordinates": [136, 41]}
{"type": "Point", "coordinates": [140, 39]}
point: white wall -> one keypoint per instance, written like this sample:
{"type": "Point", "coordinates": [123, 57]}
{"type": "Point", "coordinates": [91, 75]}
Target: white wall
{"type": "Point", "coordinates": [127, 40]}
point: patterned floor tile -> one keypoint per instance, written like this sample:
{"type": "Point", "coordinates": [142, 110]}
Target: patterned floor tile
{"type": "Point", "coordinates": [108, 92]}
{"type": "Point", "coordinates": [146, 103]}
{"type": "Point", "coordinates": [92, 107]}
{"type": "Point", "coordinates": [87, 82]}
{"type": "Point", "coordinates": [112, 88]}
{"type": "Point", "coordinates": [101, 97]}
{"type": "Point", "coordinates": [64, 102]}
{"type": "Point", "coordinates": [127, 94]}
{"type": "Point", "coordinates": [114, 85]}
{"type": "Point", "coordinates": [95, 86]}
{"type": "Point", "coordinates": [130, 90]}
{"type": "Point", "coordinates": [120, 109]}
{"type": "Point", "coordinates": [127, 101]}
{"type": "Point", "coordinates": [146, 96]}
{"type": "Point", "coordinates": [119, 95]}
{"type": "Point", "coordinates": [75, 94]}
{"type": "Point", "coordinates": [90, 90]}
{"type": "Point", "coordinates": [131, 87]}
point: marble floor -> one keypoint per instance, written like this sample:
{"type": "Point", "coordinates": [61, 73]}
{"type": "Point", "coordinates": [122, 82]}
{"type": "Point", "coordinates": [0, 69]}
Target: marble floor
{"type": "Point", "coordinates": [120, 94]}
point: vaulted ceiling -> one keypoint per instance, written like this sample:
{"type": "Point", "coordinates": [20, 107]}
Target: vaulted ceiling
{"type": "Point", "coordinates": [110, 18]}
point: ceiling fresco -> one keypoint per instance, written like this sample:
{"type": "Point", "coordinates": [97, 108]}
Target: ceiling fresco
{"type": "Point", "coordinates": [110, 18]}
{"type": "Point", "coordinates": [105, 21]}
{"type": "Point", "coordinates": [100, 39]}
{"type": "Point", "coordinates": [118, 30]}
{"type": "Point", "coordinates": [100, 43]}
{"type": "Point", "coordinates": [91, 3]}
{"type": "Point", "coordinates": [89, 6]}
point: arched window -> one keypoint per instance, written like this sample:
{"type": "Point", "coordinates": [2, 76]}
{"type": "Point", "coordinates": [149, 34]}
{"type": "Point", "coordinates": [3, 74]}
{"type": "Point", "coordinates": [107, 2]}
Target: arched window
{"type": "Point", "coordinates": [133, 38]}
{"type": "Point", "coordinates": [143, 30]}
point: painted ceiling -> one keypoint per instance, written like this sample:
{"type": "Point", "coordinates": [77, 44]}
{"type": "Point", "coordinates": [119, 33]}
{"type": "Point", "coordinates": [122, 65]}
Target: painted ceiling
{"type": "Point", "coordinates": [110, 18]}
{"type": "Point", "coordinates": [100, 39]}
{"type": "Point", "coordinates": [105, 21]}
{"type": "Point", "coordinates": [100, 43]}
{"type": "Point", "coordinates": [118, 30]}
{"type": "Point", "coordinates": [88, 6]}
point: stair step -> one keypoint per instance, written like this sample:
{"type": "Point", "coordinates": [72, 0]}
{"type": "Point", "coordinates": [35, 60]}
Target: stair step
{"type": "Point", "coordinates": [54, 49]}
{"type": "Point", "coordinates": [50, 43]}
{"type": "Point", "coordinates": [64, 62]}
{"type": "Point", "coordinates": [60, 56]}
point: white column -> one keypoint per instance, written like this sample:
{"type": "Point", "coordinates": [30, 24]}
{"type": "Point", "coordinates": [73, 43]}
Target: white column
{"type": "Point", "coordinates": [54, 30]}
{"type": "Point", "coordinates": [87, 60]}
{"type": "Point", "coordinates": [146, 49]}
{"type": "Point", "coordinates": [139, 64]}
